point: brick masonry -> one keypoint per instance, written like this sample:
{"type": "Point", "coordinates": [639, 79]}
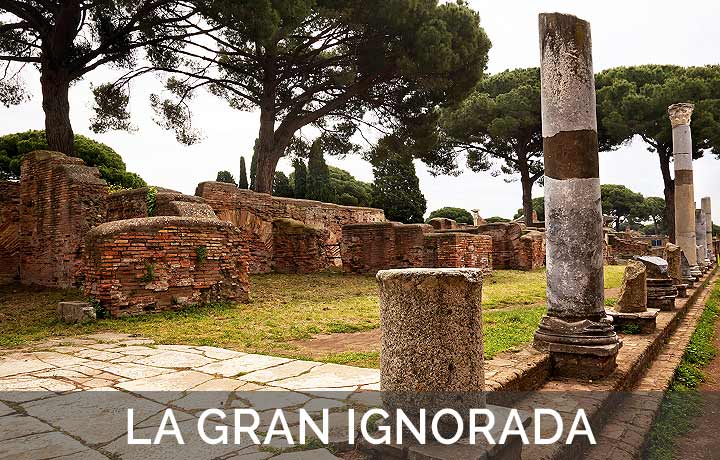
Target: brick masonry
{"type": "Point", "coordinates": [151, 264]}
{"type": "Point", "coordinates": [9, 232]}
{"type": "Point", "coordinates": [297, 248]}
{"type": "Point", "coordinates": [61, 200]}
{"type": "Point", "coordinates": [370, 247]}
{"type": "Point", "coordinates": [129, 204]}
{"type": "Point", "coordinates": [625, 248]}
{"type": "Point", "coordinates": [256, 211]}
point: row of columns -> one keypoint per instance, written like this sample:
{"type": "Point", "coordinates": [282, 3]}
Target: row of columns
{"type": "Point", "coordinates": [432, 322]}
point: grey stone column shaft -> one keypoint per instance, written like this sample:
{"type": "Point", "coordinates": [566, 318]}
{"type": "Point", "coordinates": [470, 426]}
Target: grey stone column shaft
{"type": "Point", "coordinates": [700, 237]}
{"type": "Point", "coordinates": [576, 322]}
{"type": "Point", "coordinates": [680, 115]}
{"type": "Point", "coordinates": [706, 206]}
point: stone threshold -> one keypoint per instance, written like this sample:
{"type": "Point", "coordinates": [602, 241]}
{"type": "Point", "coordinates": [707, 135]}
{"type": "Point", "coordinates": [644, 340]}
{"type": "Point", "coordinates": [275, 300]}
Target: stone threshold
{"type": "Point", "coordinates": [601, 399]}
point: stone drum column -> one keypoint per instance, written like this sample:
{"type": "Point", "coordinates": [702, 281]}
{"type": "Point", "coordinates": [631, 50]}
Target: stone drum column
{"type": "Point", "coordinates": [680, 115]}
{"type": "Point", "coordinates": [432, 342]}
{"type": "Point", "coordinates": [700, 236]}
{"type": "Point", "coordinates": [576, 330]}
{"type": "Point", "coordinates": [707, 209]}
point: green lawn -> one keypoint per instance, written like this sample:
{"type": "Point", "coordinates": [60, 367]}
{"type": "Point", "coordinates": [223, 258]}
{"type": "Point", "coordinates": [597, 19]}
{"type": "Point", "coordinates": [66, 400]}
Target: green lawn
{"type": "Point", "coordinates": [283, 309]}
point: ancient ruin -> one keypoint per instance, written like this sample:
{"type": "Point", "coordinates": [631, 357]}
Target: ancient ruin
{"type": "Point", "coordinates": [661, 291]}
{"type": "Point", "coordinates": [706, 207]}
{"type": "Point", "coordinates": [370, 247]}
{"type": "Point", "coordinates": [255, 212]}
{"type": "Point", "coordinates": [631, 313]}
{"type": "Point", "coordinates": [680, 115]}
{"type": "Point", "coordinates": [576, 330]}
{"type": "Point", "coordinates": [674, 257]}
{"type": "Point", "coordinates": [700, 238]}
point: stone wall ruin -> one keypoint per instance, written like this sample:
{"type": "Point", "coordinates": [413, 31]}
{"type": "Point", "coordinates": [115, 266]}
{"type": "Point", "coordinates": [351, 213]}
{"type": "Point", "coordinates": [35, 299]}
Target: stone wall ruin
{"type": "Point", "coordinates": [256, 212]}
{"type": "Point", "coordinates": [9, 232]}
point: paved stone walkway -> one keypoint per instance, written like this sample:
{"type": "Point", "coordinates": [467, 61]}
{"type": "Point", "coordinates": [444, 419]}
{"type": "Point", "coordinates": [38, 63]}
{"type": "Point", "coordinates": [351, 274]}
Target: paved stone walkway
{"type": "Point", "coordinates": [39, 387]}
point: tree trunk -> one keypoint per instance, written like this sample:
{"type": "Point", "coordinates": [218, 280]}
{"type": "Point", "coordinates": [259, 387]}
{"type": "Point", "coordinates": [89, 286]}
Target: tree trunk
{"type": "Point", "coordinates": [58, 130]}
{"type": "Point", "coordinates": [526, 184]}
{"type": "Point", "coordinates": [669, 190]}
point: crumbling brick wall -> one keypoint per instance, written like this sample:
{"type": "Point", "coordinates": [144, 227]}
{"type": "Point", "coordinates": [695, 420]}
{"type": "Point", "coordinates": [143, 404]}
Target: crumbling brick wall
{"type": "Point", "coordinates": [531, 251]}
{"type": "Point", "coordinates": [151, 264]}
{"type": "Point", "coordinates": [130, 204]}
{"type": "Point", "coordinates": [9, 232]}
{"type": "Point", "coordinates": [255, 212]}
{"type": "Point", "coordinates": [458, 250]}
{"type": "Point", "coordinates": [443, 223]}
{"type": "Point", "coordinates": [368, 248]}
{"type": "Point", "coordinates": [626, 248]}
{"type": "Point", "coordinates": [61, 199]}
{"type": "Point", "coordinates": [297, 248]}
{"type": "Point", "coordinates": [505, 242]}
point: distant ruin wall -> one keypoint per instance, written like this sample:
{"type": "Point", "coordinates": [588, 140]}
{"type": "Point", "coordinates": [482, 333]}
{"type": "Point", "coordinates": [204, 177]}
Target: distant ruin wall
{"type": "Point", "coordinates": [625, 248]}
{"type": "Point", "coordinates": [9, 232]}
{"type": "Point", "coordinates": [531, 251]}
{"type": "Point", "coordinates": [61, 199]}
{"type": "Point", "coordinates": [297, 248]}
{"type": "Point", "coordinates": [458, 250]}
{"type": "Point", "coordinates": [151, 264]}
{"type": "Point", "coordinates": [255, 212]}
{"type": "Point", "coordinates": [368, 248]}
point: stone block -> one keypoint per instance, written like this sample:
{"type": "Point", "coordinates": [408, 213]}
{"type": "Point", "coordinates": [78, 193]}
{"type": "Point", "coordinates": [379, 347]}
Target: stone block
{"type": "Point", "coordinates": [633, 294]}
{"type": "Point", "coordinates": [641, 322]}
{"type": "Point", "coordinates": [76, 312]}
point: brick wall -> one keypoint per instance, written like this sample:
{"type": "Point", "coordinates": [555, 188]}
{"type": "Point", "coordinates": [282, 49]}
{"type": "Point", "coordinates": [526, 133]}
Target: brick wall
{"type": "Point", "coordinates": [297, 248]}
{"type": "Point", "coordinates": [458, 250]}
{"type": "Point", "coordinates": [443, 223]}
{"type": "Point", "coordinates": [151, 264]}
{"type": "Point", "coordinates": [9, 232]}
{"type": "Point", "coordinates": [531, 251]}
{"type": "Point", "coordinates": [61, 199]}
{"type": "Point", "coordinates": [368, 248]}
{"type": "Point", "coordinates": [129, 204]}
{"type": "Point", "coordinates": [626, 248]}
{"type": "Point", "coordinates": [256, 211]}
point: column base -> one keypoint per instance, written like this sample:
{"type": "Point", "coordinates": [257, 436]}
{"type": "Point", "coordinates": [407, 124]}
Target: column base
{"type": "Point", "coordinates": [582, 349]}
{"type": "Point", "coordinates": [695, 271]}
{"type": "Point", "coordinates": [634, 323]}
{"type": "Point", "coordinates": [682, 290]}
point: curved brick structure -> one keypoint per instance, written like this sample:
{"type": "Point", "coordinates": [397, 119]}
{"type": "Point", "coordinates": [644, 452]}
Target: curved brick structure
{"type": "Point", "coordinates": [142, 265]}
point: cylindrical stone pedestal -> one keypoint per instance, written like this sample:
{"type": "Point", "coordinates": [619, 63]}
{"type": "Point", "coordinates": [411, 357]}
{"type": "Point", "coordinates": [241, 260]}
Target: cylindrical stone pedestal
{"type": "Point", "coordinates": [680, 115]}
{"type": "Point", "coordinates": [576, 330]}
{"type": "Point", "coordinates": [706, 206]}
{"type": "Point", "coordinates": [432, 343]}
{"type": "Point", "coordinates": [700, 236]}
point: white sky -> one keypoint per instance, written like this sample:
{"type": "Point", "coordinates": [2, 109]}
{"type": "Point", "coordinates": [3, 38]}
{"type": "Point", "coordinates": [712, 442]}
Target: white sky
{"type": "Point", "coordinates": [624, 33]}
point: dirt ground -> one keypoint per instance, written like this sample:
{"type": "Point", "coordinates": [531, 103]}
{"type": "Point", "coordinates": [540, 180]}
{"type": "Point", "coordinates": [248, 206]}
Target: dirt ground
{"type": "Point", "coordinates": [703, 442]}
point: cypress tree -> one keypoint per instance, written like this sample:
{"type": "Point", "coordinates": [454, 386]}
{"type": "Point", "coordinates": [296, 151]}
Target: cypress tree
{"type": "Point", "coordinates": [318, 176]}
{"type": "Point", "coordinates": [300, 177]}
{"type": "Point", "coordinates": [242, 179]}
{"type": "Point", "coordinates": [396, 189]}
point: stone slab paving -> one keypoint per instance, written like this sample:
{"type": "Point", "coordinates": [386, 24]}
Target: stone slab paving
{"type": "Point", "coordinates": [44, 413]}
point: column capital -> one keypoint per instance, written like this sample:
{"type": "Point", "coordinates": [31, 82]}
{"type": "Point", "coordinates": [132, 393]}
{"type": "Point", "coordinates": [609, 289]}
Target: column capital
{"type": "Point", "coordinates": [680, 114]}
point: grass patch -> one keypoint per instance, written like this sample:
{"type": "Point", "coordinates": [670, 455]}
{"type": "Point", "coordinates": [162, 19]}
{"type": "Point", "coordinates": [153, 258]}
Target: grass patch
{"type": "Point", "coordinates": [283, 309]}
{"type": "Point", "coordinates": [682, 401]}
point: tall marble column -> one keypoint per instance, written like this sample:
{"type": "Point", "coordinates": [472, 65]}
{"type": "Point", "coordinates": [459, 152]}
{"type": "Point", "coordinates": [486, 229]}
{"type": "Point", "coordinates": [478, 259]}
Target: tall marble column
{"type": "Point", "coordinates": [680, 115]}
{"type": "Point", "coordinates": [702, 259]}
{"type": "Point", "coordinates": [706, 206]}
{"type": "Point", "coordinates": [576, 330]}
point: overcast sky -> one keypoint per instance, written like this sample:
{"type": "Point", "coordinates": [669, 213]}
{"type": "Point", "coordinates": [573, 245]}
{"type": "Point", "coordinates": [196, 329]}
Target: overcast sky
{"type": "Point", "coordinates": [624, 33]}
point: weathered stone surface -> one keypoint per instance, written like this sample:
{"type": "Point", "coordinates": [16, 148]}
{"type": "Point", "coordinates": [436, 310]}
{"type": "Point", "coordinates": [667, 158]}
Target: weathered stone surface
{"type": "Point", "coordinates": [673, 255]}
{"type": "Point", "coordinates": [656, 267]}
{"type": "Point", "coordinates": [576, 330]}
{"type": "Point", "coordinates": [633, 293]}
{"type": "Point", "coordinates": [636, 323]}
{"type": "Point", "coordinates": [432, 344]}
{"type": "Point", "coordinates": [75, 312]}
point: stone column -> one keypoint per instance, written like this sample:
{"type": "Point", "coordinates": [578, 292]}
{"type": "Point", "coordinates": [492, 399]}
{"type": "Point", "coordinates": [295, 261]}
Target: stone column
{"type": "Point", "coordinates": [700, 236]}
{"type": "Point", "coordinates": [680, 115]}
{"type": "Point", "coordinates": [576, 330]}
{"type": "Point", "coordinates": [432, 342]}
{"type": "Point", "coordinates": [706, 206]}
